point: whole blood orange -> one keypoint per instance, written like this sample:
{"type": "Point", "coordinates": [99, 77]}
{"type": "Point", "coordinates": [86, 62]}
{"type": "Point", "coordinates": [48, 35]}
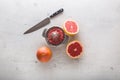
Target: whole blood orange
{"type": "Point", "coordinates": [44, 54]}
{"type": "Point", "coordinates": [71, 27]}
{"type": "Point", "coordinates": [74, 49]}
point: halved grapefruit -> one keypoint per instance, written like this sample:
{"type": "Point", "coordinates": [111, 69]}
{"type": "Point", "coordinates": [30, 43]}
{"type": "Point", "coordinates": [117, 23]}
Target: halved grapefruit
{"type": "Point", "coordinates": [74, 49]}
{"type": "Point", "coordinates": [71, 27]}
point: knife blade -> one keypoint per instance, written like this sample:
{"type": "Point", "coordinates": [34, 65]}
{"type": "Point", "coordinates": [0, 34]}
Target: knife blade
{"type": "Point", "coordinates": [43, 22]}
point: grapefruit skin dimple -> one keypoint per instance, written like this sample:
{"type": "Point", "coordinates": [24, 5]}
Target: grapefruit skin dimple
{"type": "Point", "coordinates": [44, 54]}
{"type": "Point", "coordinates": [71, 27]}
{"type": "Point", "coordinates": [74, 49]}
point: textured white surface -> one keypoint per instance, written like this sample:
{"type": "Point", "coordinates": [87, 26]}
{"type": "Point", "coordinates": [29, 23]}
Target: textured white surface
{"type": "Point", "coordinates": [99, 22]}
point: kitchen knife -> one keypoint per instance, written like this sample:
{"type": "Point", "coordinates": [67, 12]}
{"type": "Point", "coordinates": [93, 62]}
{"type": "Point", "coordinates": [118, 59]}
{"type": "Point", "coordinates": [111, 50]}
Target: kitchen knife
{"type": "Point", "coordinates": [43, 22]}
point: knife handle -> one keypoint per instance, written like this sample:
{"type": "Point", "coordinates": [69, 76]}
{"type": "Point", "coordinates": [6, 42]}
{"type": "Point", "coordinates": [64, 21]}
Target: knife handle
{"type": "Point", "coordinates": [57, 12]}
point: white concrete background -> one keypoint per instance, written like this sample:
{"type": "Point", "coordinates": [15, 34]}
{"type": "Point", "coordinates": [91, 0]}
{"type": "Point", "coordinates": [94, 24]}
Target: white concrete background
{"type": "Point", "coordinates": [99, 22]}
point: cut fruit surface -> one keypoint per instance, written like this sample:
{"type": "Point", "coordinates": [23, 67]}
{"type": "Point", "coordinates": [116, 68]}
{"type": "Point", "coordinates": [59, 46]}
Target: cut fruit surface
{"type": "Point", "coordinates": [71, 27]}
{"type": "Point", "coordinates": [55, 35]}
{"type": "Point", "coordinates": [74, 49]}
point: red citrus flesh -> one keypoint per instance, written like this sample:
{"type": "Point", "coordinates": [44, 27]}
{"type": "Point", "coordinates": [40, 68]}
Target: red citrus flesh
{"type": "Point", "coordinates": [71, 27]}
{"type": "Point", "coordinates": [44, 54]}
{"type": "Point", "coordinates": [55, 35]}
{"type": "Point", "coordinates": [74, 49]}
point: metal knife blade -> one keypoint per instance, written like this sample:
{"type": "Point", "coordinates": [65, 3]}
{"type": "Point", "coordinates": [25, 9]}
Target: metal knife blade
{"type": "Point", "coordinates": [39, 25]}
{"type": "Point", "coordinates": [43, 22]}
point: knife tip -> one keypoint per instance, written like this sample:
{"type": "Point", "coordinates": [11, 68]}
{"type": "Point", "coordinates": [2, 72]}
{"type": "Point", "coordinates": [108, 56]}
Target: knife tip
{"type": "Point", "coordinates": [25, 32]}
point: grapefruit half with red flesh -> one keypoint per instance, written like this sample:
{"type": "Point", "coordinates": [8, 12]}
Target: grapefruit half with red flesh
{"type": "Point", "coordinates": [71, 27]}
{"type": "Point", "coordinates": [74, 49]}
